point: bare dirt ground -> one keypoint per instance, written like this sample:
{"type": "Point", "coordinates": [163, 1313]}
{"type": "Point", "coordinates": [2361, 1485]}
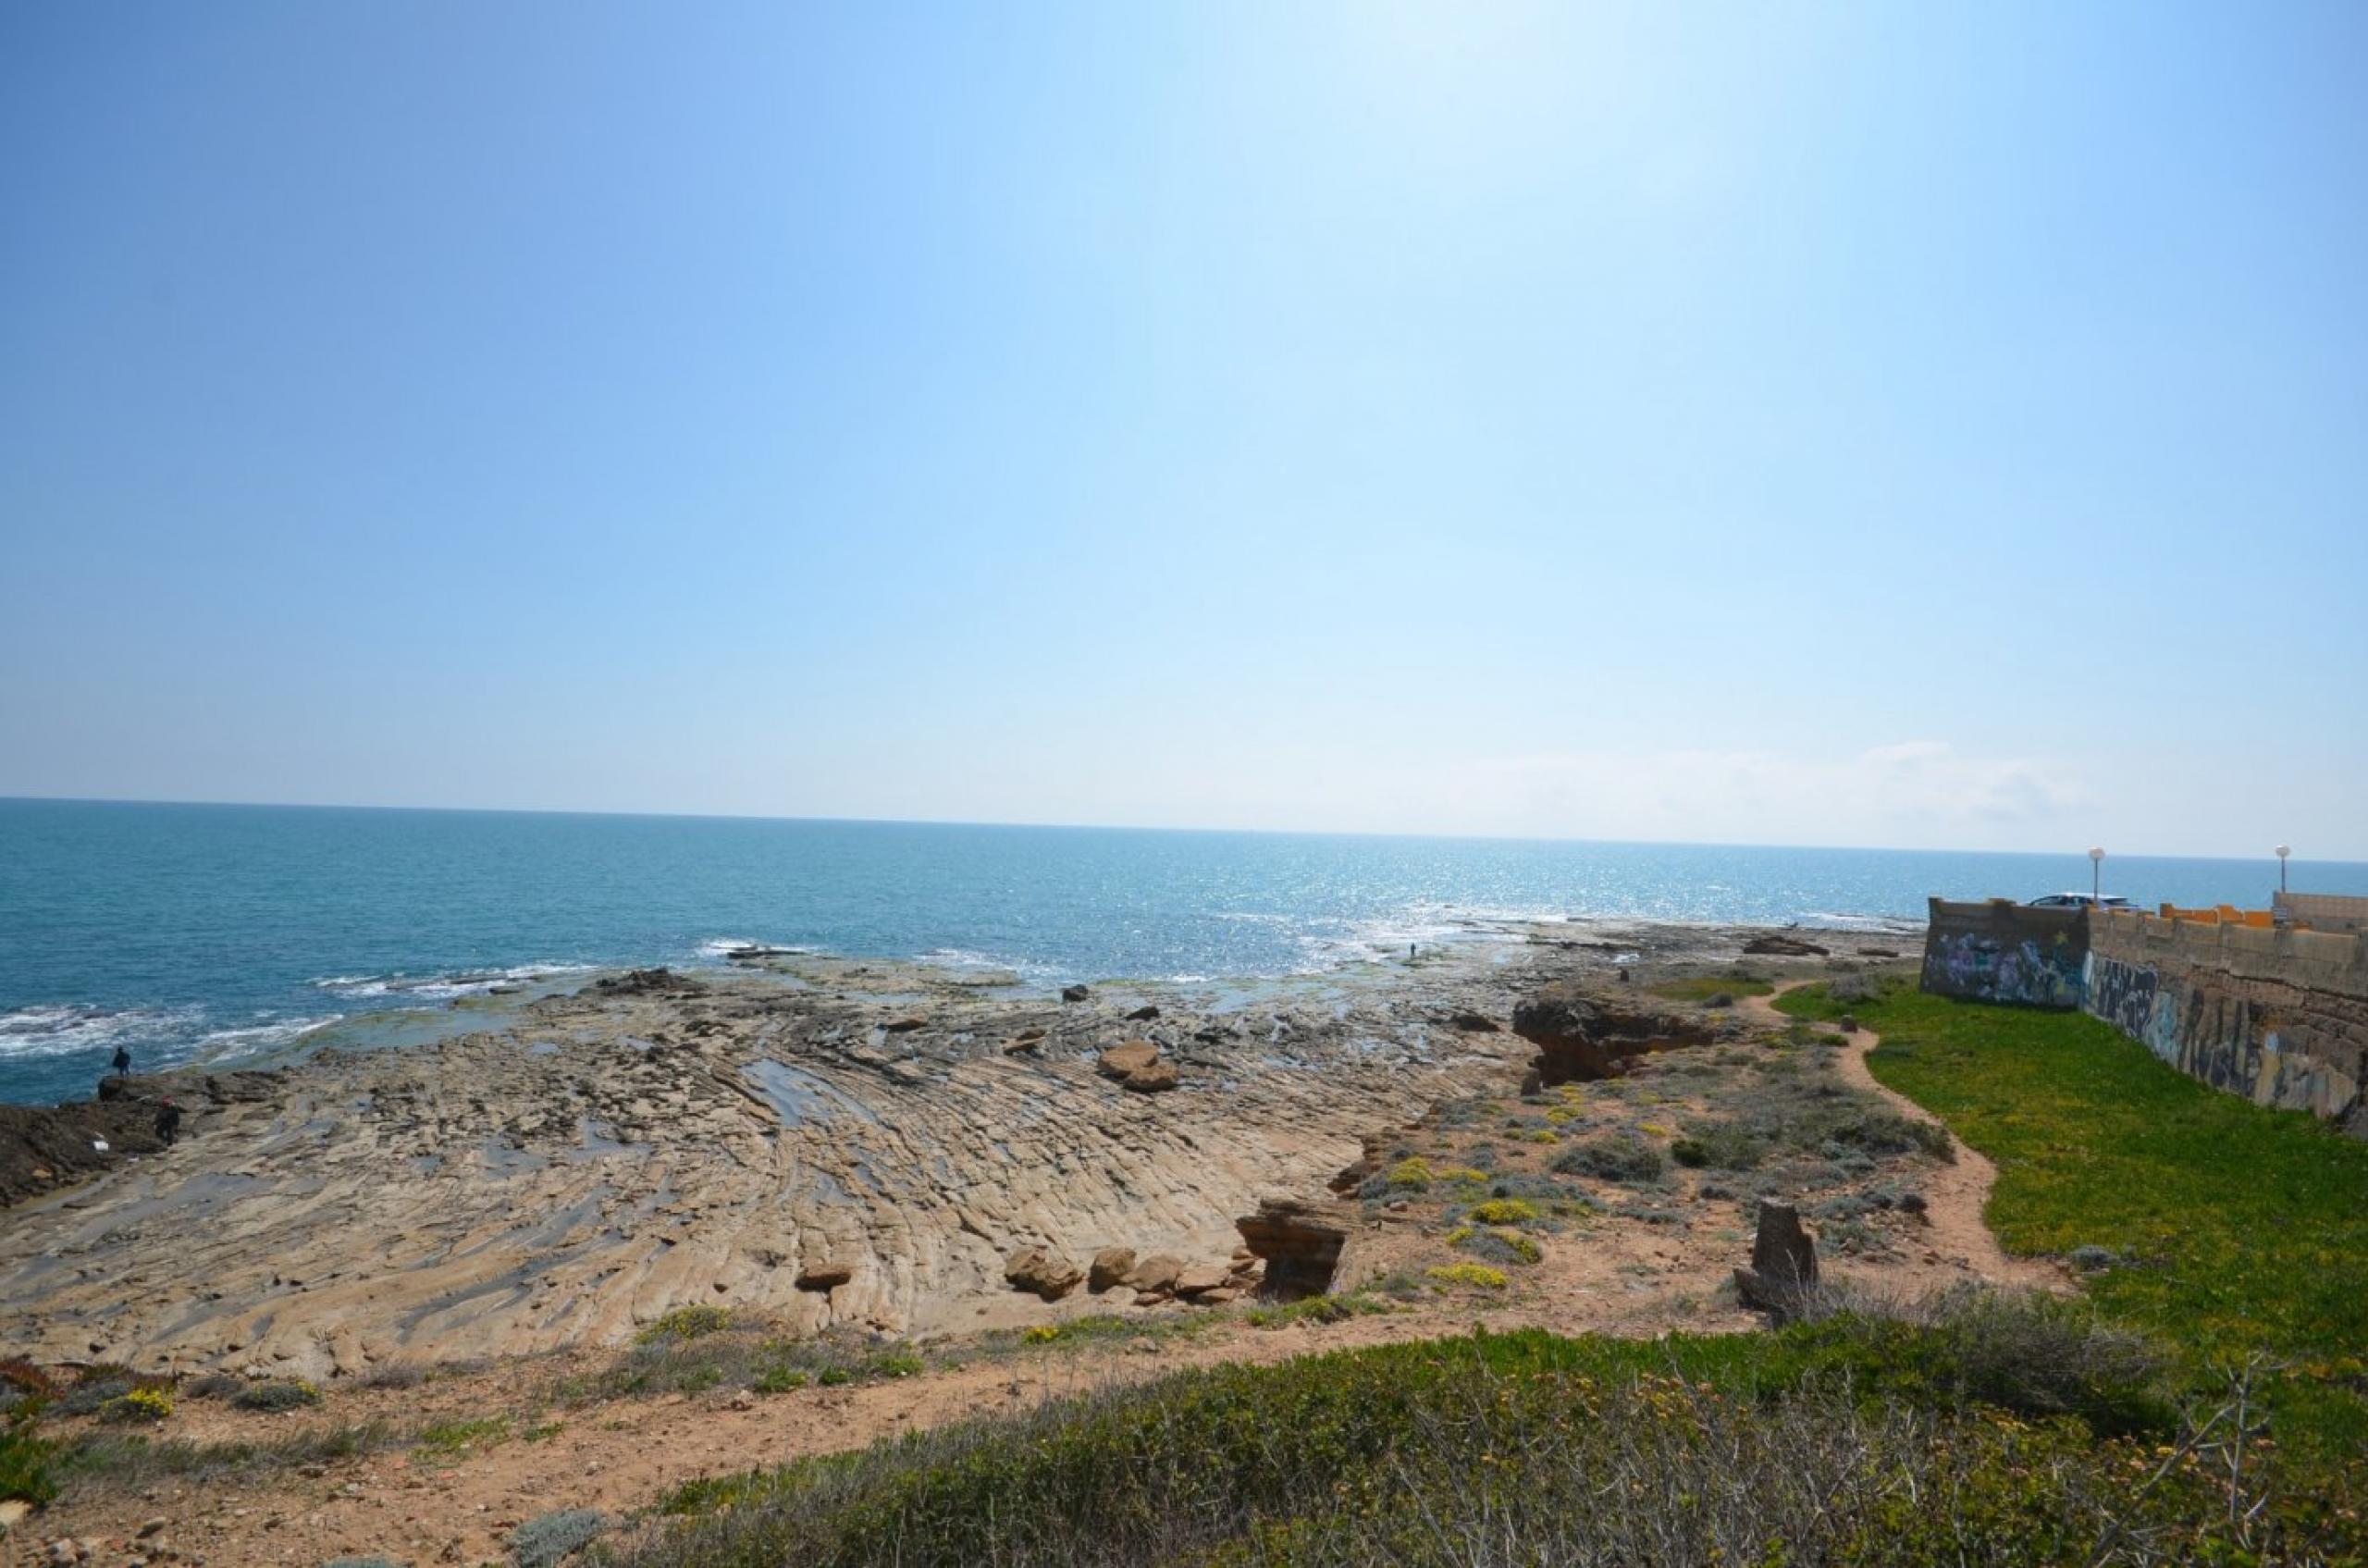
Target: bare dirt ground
{"type": "Point", "coordinates": [1438, 1137]}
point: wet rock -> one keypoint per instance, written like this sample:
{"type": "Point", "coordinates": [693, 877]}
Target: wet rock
{"type": "Point", "coordinates": [639, 982]}
{"type": "Point", "coordinates": [1143, 1014]}
{"type": "Point", "coordinates": [1783, 1264]}
{"type": "Point", "coordinates": [904, 1026]}
{"type": "Point", "coordinates": [1111, 1268]}
{"type": "Point", "coordinates": [1785, 947]}
{"type": "Point", "coordinates": [1042, 1271]}
{"type": "Point", "coordinates": [1300, 1242]}
{"type": "Point", "coordinates": [1475, 1023]}
{"type": "Point", "coordinates": [1075, 992]}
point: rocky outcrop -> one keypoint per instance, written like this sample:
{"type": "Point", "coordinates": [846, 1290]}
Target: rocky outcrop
{"type": "Point", "coordinates": [1581, 1037]}
{"type": "Point", "coordinates": [1783, 1275]}
{"type": "Point", "coordinates": [1042, 1270]}
{"type": "Point", "coordinates": [1302, 1244]}
{"type": "Point", "coordinates": [824, 1275]}
{"type": "Point", "coordinates": [642, 983]}
{"type": "Point", "coordinates": [1785, 947]}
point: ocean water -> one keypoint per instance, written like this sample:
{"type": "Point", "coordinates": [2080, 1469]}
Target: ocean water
{"type": "Point", "coordinates": [214, 933]}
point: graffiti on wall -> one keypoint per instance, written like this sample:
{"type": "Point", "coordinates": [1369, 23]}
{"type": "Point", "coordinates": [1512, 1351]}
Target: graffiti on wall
{"type": "Point", "coordinates": [2133, 999]}
{"type": "Point", "coordinates": [1991, 969]}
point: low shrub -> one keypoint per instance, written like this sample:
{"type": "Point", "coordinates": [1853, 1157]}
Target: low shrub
{"type": "Point", "coordinates": [550, 1538]}
{"type": "Point", "coordinates": [138, 1407]}
{"type": "Point", "coordinates": [1479, 1276]}
{"type": "Point", "coordinates": [1619, 1156]}
{"type": "Point", "coordinates": [277, 1396]}
{"type": "Point", "coordinates": [1502, 1211]}
{"type": "Point", "coordinates": [685, 1324]}
{"type": "Point", "coordinates": [1851, 1441]}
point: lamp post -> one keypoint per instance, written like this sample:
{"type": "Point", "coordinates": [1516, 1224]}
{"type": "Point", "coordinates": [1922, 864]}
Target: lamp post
{"type": "Point", "coordinates": [2281, 853]}
{"type": "Point", "coordinates": [2096, 876]}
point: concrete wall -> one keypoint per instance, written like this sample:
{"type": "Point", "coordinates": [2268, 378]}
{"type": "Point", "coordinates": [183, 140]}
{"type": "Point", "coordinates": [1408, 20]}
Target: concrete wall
{"type": "Point", "coordinates": [2001, 951]}
{"type": "Point", "coordinates": [2280, 1017]}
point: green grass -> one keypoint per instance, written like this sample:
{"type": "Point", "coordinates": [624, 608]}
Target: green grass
{"type": "Point", "coordinates": [2242, 1231]}
{"type": "Point", "coordinates": [448, 1438]}
{"type": "Point", "coordinates": [1499, 1449]}
{"type": "Point", "coordinates": [1701, 988]}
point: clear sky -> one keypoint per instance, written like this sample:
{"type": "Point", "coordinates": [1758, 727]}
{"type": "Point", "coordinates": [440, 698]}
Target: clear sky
{"type": "Point", "coordinates": [1911, 424]}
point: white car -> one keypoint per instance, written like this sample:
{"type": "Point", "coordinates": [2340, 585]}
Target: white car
{"type": "Point", "coordinates": [2080, 901]}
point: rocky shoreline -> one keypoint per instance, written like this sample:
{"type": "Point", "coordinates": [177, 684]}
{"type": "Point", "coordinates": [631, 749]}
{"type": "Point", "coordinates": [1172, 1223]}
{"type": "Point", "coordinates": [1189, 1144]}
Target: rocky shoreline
{"type": "Point", "coordinates": [835, 1144]}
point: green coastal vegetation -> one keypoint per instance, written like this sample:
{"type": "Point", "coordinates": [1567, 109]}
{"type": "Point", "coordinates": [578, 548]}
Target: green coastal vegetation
{"type": "Point", "coordinates": [2228, 1231]}
{"type": "Point", "coordinates": [2205, 1403]}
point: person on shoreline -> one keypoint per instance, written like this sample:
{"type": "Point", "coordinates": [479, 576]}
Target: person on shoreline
{"type": "Point", "coordinates": [168, 1122]}
{"type": "Point", "coordinates": [122, 1060]}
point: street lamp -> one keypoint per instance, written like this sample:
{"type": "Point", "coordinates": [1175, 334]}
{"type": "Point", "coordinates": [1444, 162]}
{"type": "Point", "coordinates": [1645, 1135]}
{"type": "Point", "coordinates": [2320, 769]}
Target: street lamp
{"type": "Point", "coordinates": [2281, 853]}
{"type": "Point", "coordinates": [2096, 876]}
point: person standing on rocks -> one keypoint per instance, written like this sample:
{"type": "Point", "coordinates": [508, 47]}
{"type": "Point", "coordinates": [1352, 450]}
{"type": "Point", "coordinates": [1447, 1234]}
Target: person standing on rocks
{"type": "Point", "coordinates": [122, 1060]}
{"type": "Point", "coordinates": [168, 1122]}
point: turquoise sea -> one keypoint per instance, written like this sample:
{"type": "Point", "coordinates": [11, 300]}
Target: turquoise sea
{"type": "Point", "coordinates": [212, 933]}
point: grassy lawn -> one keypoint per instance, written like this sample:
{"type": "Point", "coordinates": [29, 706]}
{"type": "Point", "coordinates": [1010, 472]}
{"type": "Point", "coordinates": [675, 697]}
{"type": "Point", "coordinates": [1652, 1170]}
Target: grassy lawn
{"type": "Point", "coordinates": [2237, 1230]}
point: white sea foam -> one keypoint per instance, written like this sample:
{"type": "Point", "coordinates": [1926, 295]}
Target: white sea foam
{"type": "Point", "coordinates": [967, 958]}
{"type": "Point", "coordinates": [62, 1031]}
{"type": "Point", "coordinates": [223, 1044]}
{"type": "Point", "coordinates": [443, 987]}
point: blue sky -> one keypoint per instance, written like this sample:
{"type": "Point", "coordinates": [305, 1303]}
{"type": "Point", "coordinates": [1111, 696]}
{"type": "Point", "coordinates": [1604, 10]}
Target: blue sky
{"type": "Point", "coordinates": [1900, 425]}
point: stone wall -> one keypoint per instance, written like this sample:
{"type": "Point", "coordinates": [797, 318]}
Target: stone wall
{"type": "Point", "coordinates": [2002, 951]}
{"type": "Point", "coordinates": [2280, 1017]}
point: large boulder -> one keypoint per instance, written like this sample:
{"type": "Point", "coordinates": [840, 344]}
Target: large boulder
{"type": "Point", "coordinates": [1582, 1037]}
{"type": "Point", "coordinates": [1045, 1272]}
{"type": "Point", "coordinates": [1157, 1275]}
{"type": "Point", "coordinates": [1110, 1270]}
{"type": "Point", "coordinates": [1302, 1243]}
{"type": "Point", "coordinates": [1783, 1275]}
{"type": "Point", "coordinates": [1200, 1278]}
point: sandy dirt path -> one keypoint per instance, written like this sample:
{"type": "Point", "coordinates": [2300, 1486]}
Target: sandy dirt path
{"type": "Point", "coordinates": [1958, 1194]}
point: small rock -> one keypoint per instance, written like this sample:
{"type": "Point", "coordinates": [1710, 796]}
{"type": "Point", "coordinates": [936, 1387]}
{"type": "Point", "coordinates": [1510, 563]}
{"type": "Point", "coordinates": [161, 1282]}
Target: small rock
{"type": "Point", "coordinates": [1143, 1014]}
{"type": "Point", "coordinates": [1475, 1023]}
{"type": "Point", "coordinates": [1200, 1278]}
{"type": "Point", "coordinates": [1122, 1060]}
{"type": "Point", "coordinates": [744, 1400]}
{"type": "Point", "coordinates": [1075, 992]}
{"type": "Point", "coordinates": [1848, 1024]}
{"type": "Point", "coordinates": [904, 1026]}
{"type": "Point", "coordinates": [1155, 1078]}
